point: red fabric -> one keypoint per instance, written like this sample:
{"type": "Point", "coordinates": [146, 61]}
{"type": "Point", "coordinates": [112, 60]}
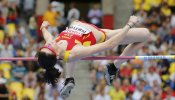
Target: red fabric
{"type": "Point", "coordinates": [2, 21]}
{"type": "Point", "coordinates": [71, 38]}
{"type": "Point", "coordinates": [39, 20]}
{"type": "Point", "coordinates": [129, 88]}
{"type": "Point", "coordinates": [163, 96]}
{"type": "Point", "coordinates": [125, 72]}
{"type": "Point", "coordinates": [173, 31]}
{"type": "Point", "coordinates": [108, 21]}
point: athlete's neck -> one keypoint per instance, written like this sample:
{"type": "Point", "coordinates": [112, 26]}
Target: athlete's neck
{"type": "Point", "coordinates": [61, 48]}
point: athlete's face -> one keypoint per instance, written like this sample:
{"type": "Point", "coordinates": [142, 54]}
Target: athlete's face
{"type": "Point", "coordinates": [48, 48]}
{"type": "Point", "coordinates": [51, 48]}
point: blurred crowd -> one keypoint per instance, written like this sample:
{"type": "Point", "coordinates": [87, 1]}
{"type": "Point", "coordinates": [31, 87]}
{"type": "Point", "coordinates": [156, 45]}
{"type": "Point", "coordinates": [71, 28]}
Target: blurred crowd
{"type": "Point", "coordinates": [140, 79]}
{"type": "Point", "coordinates": [137, 79]}
{"type": "Point", "coordinates": [20, 37]}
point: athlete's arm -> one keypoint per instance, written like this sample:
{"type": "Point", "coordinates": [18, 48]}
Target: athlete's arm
{"type": "Point", "coordinates": [81, 52]}
{"type": "Point", "coordinates": [47, 36]}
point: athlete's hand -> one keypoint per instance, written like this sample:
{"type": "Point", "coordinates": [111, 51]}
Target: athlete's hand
{"type": "Point", "coordinates": [133, 20]}
{"type": "Point", "coordinates": [45, 24]}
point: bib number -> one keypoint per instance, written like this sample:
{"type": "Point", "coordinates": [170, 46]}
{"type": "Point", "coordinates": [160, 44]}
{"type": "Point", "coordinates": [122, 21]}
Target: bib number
{"type": "Point", "coordinates": [79, 29]}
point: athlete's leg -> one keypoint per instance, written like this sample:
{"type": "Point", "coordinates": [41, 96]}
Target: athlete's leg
{"type": "Point", "coordinates": [133, 35]}
{"type": "Point", "coordinates": [130, 50]}
{"type": "Point", "coordinates": [136, 41]}
{"type": "Point", "coordinates": [135, 38]}
{"type": "Point", "coordinates": [69, 82]}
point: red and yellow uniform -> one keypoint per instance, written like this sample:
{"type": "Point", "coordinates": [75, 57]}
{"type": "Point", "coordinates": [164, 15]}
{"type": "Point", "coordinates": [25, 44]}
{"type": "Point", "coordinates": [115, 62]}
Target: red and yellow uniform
{"type": "Point", "coordinates": [77, 34]}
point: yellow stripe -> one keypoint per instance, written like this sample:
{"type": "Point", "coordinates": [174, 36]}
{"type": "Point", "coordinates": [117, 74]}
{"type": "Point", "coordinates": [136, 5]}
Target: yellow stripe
{"type": "Point", "coordinates": [87, 43]}
{"type": "Point", "coordinates": [136, 57]}
{"type": "Point", "coordinates": [66, 55]}
{"type": "Point", "coordinates": [173, 57]}
{"type": "Point", "coordinates": [103, 37]}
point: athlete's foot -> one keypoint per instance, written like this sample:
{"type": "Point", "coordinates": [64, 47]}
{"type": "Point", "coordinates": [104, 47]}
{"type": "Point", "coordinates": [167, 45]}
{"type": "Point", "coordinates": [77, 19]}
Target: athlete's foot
{"type": "Point", "coordinates": [110, 73]}
{"type": "Point", "coordinates": [68, 86]}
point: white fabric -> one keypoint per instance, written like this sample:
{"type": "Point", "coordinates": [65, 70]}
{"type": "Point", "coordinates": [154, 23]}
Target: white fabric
{"type": "Point", "coordinates": [172, 77]}
{"type": "Point", "coordinates": [173, 21]}
{"type": "Point", "coordinates": [79, 29]}
{"type": "Point", "coordinates": [73, 14]}
{"type": "Point", "coordinates": [152, 77]}
{"type": "Point", "coordinates": [95, 15]}
{"type": "Point", "coordinates": [29, 4]}
{"type": "Point", "coordinates": [137, 95]}
{"type": "Point", "coordinates": [101, 97]}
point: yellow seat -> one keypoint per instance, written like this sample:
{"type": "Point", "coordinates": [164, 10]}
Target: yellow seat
{"type": "Point", "coordinates": [6, 67]}
{"type": "Point", "coordinates": [11, 29]}
{"type": "Point", "coordinates": [171, 3]}
{"type": "Point", "coordinates": [29, 92]}
{"type": "Point", "coordinates": [1, 36]}
{"type": "Point", "coordinates": [172, 68]}
{"type": "Point", "coordinates": [166, 11]}
{"type": "Point", "coordinates": [137, 4]}
{"type": "Point", "coordinates": [16, 87]}
{"type": "Point", "coordinates": [165, 77]}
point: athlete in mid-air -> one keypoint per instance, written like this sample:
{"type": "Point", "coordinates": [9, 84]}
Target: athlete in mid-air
{"type": "Point", "coordinates": [80, 40]}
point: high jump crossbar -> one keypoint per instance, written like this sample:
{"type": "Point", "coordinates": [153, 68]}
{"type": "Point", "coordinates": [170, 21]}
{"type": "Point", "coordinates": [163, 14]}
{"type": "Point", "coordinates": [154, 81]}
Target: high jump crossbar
{"type": "Point", "coordinates": [96, 58]}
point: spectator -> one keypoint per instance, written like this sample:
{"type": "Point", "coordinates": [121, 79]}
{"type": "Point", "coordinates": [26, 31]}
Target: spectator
{"type": "Point", "coordinates": [156, 88]}
{"type": "Point", "coordinates": [20, 41]}
{"type": "Point", "coordinates": [73, 13]}
{"type": "Point", "coordinates": [138, 93]}
{"type": "Point", "coordinates": [116, 92]}
{"type": "Point", "coordinates": [169, 38]}
{"type": "Point", "coordinates": [12, 16]}
{"type": "Point", "coordinates": [30, 79]}
{"type": "Point", "coordinates": [25, 98]}
{"type": "Point", "coordinates": [14, 96]}
{"type": "Point", "coordinates": [173, 20]}
{"type": "Point", "coordinates": [6, 49]}
{"type": "Point", "coordinates": [2, 21]}
{"type": "Point", "coordinates": [33, 26]}
{"type": "Point", "coordinates": [146, 96]}
{"type": "Point", "coordinates": [142, 16]}
{"type": "Point", "coordinates": [51, 16]}
{"type": "Point", "coordinates": [168, 94]}
{"type": "Point", "coordinates": [152, 76]}
{"type": "Point", "coordinates": [95, 15]}
{"type": "Point", "coordinates": [29, 9]}
{"type": "Point", "coordinates": [125, 71]}
{"type": "Point", "coordinates": [100, 94]}
{"type": "Point", "coordinates": [164, 29]}
{"type": "Point", "coordinates": [4, 92]}
{"type": "Point", "coordinates": [18, 71]}
{"type": "Point", "coordinates": [127, 87]}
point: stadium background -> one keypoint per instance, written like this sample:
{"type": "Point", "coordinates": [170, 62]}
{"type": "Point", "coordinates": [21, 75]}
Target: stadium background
{"type": "Point", "coordinates": [138, 80]}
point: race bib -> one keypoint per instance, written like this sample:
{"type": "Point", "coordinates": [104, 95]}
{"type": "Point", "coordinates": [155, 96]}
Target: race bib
{"type": "Point", "coordinates": [79, 29]}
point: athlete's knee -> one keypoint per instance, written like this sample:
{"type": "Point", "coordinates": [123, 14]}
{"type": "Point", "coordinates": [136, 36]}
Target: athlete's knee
{"type": "Point", "coordinates": [146, 34]}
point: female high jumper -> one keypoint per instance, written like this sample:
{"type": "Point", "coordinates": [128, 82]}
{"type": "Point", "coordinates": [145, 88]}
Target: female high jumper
{"type": "Point", "coordinates": [80, 40]}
